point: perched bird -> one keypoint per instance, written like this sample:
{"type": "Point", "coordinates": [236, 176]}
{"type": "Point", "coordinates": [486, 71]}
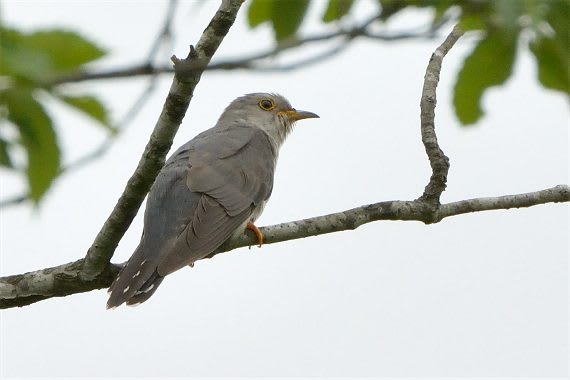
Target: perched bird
{"type": "Point", "coordinates": [210, 189]}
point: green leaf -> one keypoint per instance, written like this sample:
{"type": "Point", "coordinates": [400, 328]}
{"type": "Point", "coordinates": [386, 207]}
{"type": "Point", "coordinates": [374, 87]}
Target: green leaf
{"type": "Point", "coordinates": [553, 60]}
{"type": "Point", "coordinates": [67, 50]}
{"type": "Point", "coordinates": [42, 55]}
{"type": "Point", "coordinates": [286, 16]}
{"type": "Point", "coordinates": [507, 13]}
{"type": "Point", "coordinates": [18, 60]}
{"type": "Point", "coordinates": [478, 15]}
{"type": "Point", "coordinates": [37, 137]}
{"type": "Point", "coordinates": [490, 64]}
{"type": "Point", "coordinates": [259, 11]}
{"type": "Point", "coordinates": [90, 106]}
{"type": "Point", "coordinates": [337, 9]}
{"type": "Point", "coordinates": [4, 156]}
{"type": "Point", "coordinates": [558, 16]}
{"type": "Point", "coordinates": [472, 22]}
{"type": "Point", "coordinates": [391, 7]}
{"type": "Point", "coordinates": [552, 52]}
{"type": "Point", "coordinates": [441, 7]}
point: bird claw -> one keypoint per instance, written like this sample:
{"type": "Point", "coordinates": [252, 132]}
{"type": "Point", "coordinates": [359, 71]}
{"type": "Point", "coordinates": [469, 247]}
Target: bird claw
{"type": "Point", "coordinates": [257, 232]}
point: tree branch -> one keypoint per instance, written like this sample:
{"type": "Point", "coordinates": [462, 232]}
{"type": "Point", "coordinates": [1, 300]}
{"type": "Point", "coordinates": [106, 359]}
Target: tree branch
{"type": "Point", "coordinates": [21, 290]}
{"type": "Point", "coordinates": [181, 91]}
{"type": "Point", "coordinates": [60, 281]}
{"type": "Point", "coordinates": [254, 61]}
{"type": "Point", "coordinates": [556, 194]}
{"type": "Point", "coordinates": [63, 280]}
{"type": "Point", "coordinates": [438, 160]}
{"type": "Point", "coordinates": [13, 200]}
{"type": "Point", "coordinates": [393, 210]}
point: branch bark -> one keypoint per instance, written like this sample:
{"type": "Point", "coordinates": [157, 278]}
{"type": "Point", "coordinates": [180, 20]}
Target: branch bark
{"type": "Point", "coordinates": [95, 271]}
{"type": "Point", "coordinates": [438, 160]}
{"type": "Point", "coordinates": [63, 280]}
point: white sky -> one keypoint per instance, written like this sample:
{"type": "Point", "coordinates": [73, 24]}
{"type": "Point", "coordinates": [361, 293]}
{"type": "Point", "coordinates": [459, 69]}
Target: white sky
{"type": "Point", "coordinates": [482, 295]}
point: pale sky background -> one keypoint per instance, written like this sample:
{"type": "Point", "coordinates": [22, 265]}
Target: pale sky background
{"type": "Point", "coordinates": [482, 295]}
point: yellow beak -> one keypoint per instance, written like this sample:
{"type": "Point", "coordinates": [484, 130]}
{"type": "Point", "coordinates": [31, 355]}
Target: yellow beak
{"type": "Point", "coordinates": [295, 115]}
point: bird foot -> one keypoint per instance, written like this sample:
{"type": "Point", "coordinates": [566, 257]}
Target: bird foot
{"type": "Point", "coordinates": [253, 228]}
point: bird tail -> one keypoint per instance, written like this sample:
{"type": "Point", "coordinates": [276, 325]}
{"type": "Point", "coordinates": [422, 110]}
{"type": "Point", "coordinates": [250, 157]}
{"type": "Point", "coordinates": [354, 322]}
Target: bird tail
{"type": "Point", "coordinates": [136, 282]}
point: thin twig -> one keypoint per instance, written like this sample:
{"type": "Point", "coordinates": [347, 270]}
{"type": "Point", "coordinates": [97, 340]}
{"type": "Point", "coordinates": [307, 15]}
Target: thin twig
{"type": "Point", "coordinates": [438, 160]}
{"type": "Point", "coordinates": [306, 62]}
{"type": "Point", "coordinates": [254, 61]}
{"type": "Point", "coordinates": [13, 200]}
{"type": "Point", "coordinates": [165, 33]}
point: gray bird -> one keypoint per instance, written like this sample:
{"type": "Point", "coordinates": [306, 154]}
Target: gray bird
{"type": "Point", "coordinates": [213, 187]}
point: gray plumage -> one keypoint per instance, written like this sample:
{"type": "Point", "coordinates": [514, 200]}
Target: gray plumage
{"type": "Point", "coordinates": [208, 190]}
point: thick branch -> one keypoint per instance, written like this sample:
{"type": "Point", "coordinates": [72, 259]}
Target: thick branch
{"type": "Point", "coordinates": [63, 280]}
{"type": "Point", "coordinates": [28, 288]}
{"type": "Point", "coordinates": [177, 101]}
{"type": "Point", "coordinates": [394, 210]}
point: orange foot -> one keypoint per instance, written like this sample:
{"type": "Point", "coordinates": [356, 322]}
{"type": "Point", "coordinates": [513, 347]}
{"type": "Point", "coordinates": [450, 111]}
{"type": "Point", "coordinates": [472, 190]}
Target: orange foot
{"type": "Point", "coordinates": [253, 228]}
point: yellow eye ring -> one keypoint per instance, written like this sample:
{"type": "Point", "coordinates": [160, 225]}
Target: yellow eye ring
{"type": "Point", "coordinates": [266, 104]}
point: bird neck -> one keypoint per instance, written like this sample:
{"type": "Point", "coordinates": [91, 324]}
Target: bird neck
{"type": "Point", "coordinates": [277, 136]}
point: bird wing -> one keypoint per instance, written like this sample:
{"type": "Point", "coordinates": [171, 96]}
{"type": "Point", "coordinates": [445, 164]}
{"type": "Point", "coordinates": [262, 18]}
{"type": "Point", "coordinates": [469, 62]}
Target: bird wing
{"type": "Point", "coordinates": [169, 207]}
{"type": "Point", "coordinates": [232, 170]}
{"type": "Point", "coordinates": [207, 189]}
{"type": "Point", "coordinates": [235, 167]}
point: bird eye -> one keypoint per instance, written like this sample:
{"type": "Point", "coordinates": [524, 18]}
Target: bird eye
{"type": "Point", "coordinates": [266, 104]}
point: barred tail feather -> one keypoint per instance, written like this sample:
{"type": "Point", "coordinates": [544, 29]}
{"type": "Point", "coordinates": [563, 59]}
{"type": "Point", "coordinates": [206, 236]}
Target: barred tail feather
{"type": "Point", "coordinates": [136, 282]}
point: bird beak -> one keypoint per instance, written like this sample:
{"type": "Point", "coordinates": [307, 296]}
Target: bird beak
{"type": "Point", "coordinates": [294, 115]}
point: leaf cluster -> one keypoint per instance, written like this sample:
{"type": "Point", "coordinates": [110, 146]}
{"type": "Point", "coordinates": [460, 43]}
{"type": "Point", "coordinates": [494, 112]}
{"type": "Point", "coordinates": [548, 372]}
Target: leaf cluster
{"type": "Point", "coordinates": [28, 64]}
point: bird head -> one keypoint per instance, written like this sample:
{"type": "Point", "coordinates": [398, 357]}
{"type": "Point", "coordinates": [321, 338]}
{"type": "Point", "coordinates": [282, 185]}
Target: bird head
{"type": "Point", "coordinates": [270, 112]}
